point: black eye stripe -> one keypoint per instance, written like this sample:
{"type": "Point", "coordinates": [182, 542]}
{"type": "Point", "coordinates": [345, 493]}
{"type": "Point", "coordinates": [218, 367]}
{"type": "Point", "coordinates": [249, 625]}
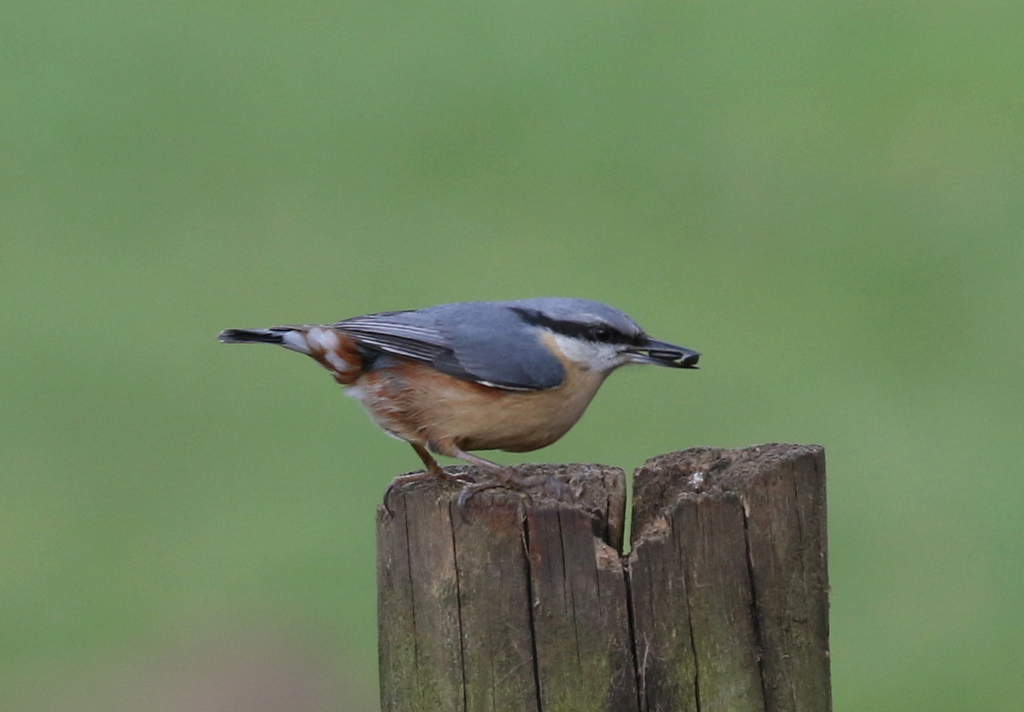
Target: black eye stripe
{"type": "Point", "coordinates": [603, 333]}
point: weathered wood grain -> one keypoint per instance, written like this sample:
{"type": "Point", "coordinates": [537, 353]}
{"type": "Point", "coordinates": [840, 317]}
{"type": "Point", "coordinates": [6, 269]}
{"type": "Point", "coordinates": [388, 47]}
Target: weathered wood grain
{"type": "Point", "coordinates": [518, 606]}
{"type": "Point", "coordinates": [730, 549]}
{"type": "Point", "coordinates": [528, 604]}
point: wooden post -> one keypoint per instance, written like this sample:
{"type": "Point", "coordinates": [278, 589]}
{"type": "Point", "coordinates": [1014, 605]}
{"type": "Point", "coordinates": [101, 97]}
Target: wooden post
{"type": "Point", "coordinates": [530, 605]}
{"type": "Point", "coordinates": [729, 580]}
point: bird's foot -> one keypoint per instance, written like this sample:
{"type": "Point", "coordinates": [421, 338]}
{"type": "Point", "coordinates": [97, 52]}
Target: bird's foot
{"type": "Point", "coordinates": [426, 475]}
{"type": "Point", "coordinates": [508, 478]}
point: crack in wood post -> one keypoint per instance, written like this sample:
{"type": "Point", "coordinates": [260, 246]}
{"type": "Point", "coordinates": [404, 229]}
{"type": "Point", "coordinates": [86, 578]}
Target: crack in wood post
{"type": "Point", "coordinates": [755, 613]}
{"type": "Point", "coordinates": [458, 599]}
{"type": "Point", "coordinates": [530, 598]}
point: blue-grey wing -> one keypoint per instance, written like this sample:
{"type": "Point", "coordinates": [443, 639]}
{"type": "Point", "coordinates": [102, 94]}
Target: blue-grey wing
{"type": "Point", "coordinates": [483, 342]}
{"type": "Point", "coordinates": [397, 333]}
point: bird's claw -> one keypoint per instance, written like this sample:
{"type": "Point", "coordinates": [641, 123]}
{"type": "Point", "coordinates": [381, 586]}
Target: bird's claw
{"type": "Point", "coordinates": [461, 478]}
{"type": "Point", "coordinates": [512, 482]}
{"type": "Point", "coordinates": [387, 498]}
{"type": "Point", "coordinates": [470, 491]}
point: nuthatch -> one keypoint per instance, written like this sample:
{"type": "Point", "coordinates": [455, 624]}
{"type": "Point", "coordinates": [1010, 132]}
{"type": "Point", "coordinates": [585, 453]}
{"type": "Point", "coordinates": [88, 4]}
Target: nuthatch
{"type": "Point", "coordinates": [447, 379]}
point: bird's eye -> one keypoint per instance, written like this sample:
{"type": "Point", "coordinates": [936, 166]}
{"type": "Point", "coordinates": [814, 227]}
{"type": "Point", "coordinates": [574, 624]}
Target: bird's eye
{"type": "Point", "coordinates": [602, 334]}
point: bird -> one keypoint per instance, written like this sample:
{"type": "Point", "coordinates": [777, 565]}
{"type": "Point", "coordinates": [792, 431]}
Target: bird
{"type": "Point", "coordinates": [481, 375]}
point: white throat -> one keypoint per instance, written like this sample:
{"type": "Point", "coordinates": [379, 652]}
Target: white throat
{"type": "Point", "coordinates": [589, 355]}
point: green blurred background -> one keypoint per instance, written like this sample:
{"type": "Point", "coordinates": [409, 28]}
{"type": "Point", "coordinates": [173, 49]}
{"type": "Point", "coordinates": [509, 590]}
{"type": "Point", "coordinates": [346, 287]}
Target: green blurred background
{"type": "Point", "coordinates": [824, 198]}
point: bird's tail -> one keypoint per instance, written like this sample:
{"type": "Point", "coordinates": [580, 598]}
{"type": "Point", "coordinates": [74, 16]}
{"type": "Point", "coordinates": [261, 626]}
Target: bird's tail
{"type": "Point", "coordinates": [291, 337]}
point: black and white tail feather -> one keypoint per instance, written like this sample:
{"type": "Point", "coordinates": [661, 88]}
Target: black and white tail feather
{"type": "Point", "coordinates": [291, 337]}
{"type": "Point", "coordinates": [273, 335]}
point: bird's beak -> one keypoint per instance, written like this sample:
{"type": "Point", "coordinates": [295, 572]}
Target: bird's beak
{"type": "Point", "coordinates": [663, 354]}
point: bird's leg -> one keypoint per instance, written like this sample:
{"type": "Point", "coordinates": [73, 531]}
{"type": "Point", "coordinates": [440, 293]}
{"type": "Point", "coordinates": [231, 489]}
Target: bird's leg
{"type": "Point", "coordinates": [433, 472]}
{"type": "Point", "coordinates": [433, 469]}
{"type": "Point", "coordinates": [487, 466]}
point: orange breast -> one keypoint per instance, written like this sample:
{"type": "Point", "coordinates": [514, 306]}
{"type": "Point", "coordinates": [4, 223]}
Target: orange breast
{"type": "Point", "coordinates": [416, 403]}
